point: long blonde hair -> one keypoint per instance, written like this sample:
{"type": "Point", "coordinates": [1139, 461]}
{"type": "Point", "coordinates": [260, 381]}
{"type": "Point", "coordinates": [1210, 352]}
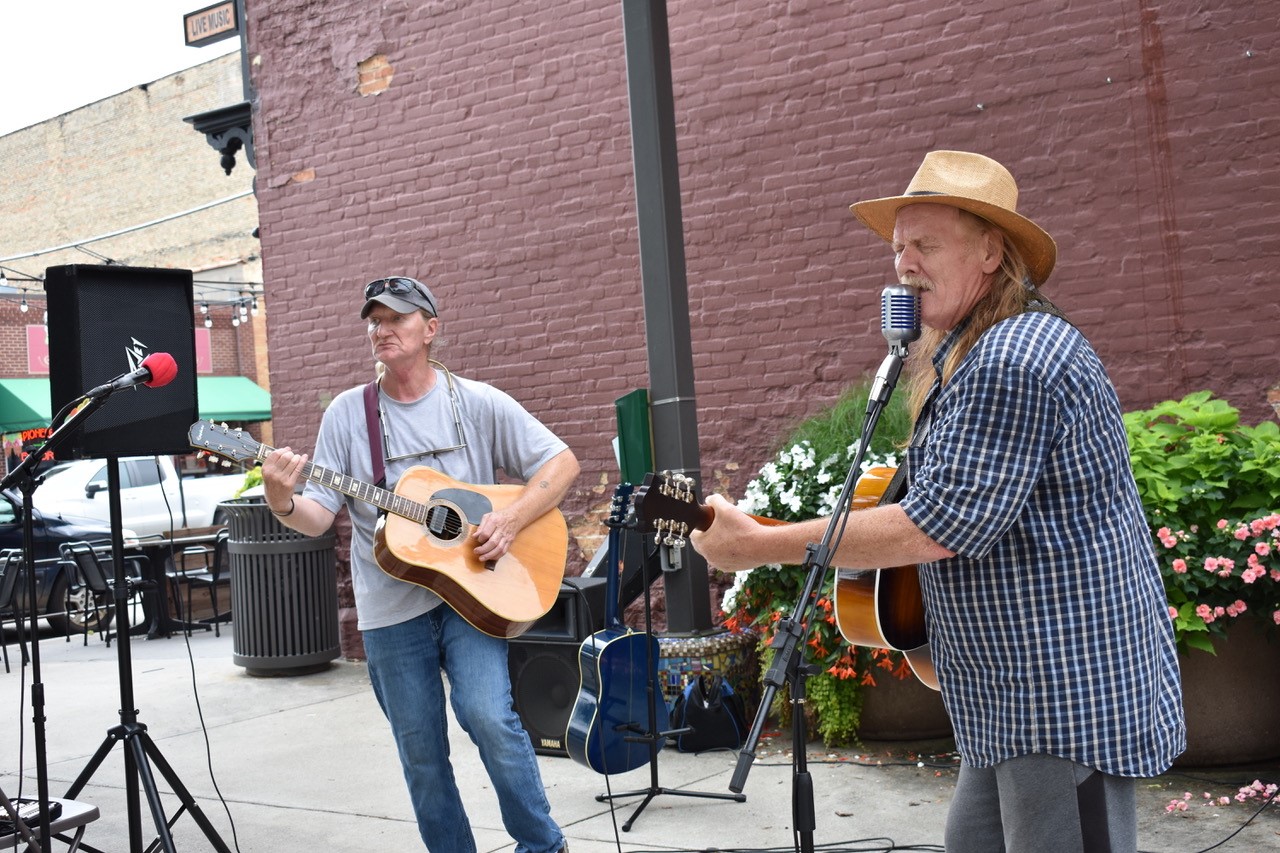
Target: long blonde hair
{"type": "Point", "coordinates": [1008, 295]}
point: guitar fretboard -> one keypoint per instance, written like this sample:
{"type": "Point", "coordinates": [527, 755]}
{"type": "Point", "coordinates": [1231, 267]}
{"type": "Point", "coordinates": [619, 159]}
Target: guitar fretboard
{"type": "Point", "coordinates": [358, 489]}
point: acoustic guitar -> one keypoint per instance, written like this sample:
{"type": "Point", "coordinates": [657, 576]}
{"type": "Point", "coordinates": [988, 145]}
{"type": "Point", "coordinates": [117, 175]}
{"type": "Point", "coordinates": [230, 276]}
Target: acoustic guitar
{"type": "Point", "coordinates": [427, 537]}
{"type": "Point", "coordinates": [882, 608]}
{"type": "Point", "coordinates": [617, 667]}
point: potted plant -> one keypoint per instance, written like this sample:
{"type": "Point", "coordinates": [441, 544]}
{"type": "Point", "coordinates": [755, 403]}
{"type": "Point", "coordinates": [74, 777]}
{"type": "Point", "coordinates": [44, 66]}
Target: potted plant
{"type": "Point", "coordinates": [1211, 489]}
{"type": "Point", "coordinates": [801, 481]}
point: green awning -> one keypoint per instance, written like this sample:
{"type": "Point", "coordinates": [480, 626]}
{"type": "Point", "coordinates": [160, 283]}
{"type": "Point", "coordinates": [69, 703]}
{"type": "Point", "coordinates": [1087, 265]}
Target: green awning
{"type": "Point", "coordinates": [24, 402]}
{"type": "Point", "coordinates": [232, 398]}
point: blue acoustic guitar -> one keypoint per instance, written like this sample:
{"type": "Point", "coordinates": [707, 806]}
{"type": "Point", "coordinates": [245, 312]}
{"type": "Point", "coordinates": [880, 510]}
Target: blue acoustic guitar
{"type": "Point", "coordinates": [610, 720]}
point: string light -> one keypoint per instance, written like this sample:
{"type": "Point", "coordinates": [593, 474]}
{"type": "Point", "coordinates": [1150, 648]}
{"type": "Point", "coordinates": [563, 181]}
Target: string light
{"type": "Point", "coordinates": [23, 307]}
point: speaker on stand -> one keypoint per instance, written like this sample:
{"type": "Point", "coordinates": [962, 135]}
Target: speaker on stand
{"type": "Point", "coordinates": [103, 321]}
{"type": "Point", "coordinates": [543, 662]}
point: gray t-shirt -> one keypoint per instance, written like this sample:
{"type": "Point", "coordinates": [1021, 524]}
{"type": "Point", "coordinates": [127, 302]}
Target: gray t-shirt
{"type": "Point", "coordinates": [498, 432]}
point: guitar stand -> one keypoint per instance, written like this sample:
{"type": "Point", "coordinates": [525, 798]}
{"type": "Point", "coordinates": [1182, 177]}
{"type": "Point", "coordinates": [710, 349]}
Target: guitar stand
{"type": "Point", "coordinates": [649, 735]}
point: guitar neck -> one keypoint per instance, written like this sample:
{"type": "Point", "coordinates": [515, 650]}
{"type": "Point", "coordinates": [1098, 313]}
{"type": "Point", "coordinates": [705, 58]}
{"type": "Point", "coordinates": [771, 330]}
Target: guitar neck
{"type": "Point", "coordinates": [358, 489]}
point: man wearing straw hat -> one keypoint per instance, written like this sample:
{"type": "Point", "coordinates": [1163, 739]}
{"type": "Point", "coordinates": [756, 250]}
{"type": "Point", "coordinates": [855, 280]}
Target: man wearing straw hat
{"type": "Point", "coordinates": [1046, 614]}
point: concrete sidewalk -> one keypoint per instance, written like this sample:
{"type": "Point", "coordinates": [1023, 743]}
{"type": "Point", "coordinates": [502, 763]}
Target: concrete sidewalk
{"type": "Point", "coordinates": [306, 763]}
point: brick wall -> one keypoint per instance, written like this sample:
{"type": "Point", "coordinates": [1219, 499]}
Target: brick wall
{"type": "Point", "coordinates": [493, 160]}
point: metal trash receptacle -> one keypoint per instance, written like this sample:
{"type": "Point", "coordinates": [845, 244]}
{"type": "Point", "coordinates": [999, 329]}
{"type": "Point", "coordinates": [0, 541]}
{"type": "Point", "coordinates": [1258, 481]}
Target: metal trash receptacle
{"type": "Point", "coordinates": [284, 595]}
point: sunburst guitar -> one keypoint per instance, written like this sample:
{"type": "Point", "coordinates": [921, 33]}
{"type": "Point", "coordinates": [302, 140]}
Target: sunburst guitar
{"type": "Point", "coordinates": [881, 609]}
{"type": "Point", "coordinates": [427, 537]}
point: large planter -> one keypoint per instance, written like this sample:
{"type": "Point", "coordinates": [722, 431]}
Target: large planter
{"type": "Point", "coordinates": [1231, 698]}
{"type": "Point", "coordinates": [902, 709]}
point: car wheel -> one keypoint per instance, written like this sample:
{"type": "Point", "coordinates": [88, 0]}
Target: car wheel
{"type": "Point", "coordinates": [73, 608]}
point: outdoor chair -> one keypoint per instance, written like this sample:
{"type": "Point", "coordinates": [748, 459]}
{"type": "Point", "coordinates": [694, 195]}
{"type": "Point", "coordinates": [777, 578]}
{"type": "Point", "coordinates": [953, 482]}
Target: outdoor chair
{"type": "Point", "coordinates": [10, 567]}
{"type": "Point", "coordinates": [211, 576]}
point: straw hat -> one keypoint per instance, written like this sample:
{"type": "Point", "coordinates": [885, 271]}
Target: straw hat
{"type": "Point", "coordinates": [970, 182]}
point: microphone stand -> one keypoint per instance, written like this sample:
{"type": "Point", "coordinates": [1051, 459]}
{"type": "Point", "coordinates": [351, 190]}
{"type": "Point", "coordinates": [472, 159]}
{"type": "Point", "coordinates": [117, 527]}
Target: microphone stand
{"type": "Point", "coordinates": [787, 639]}
{"type": "Point", "coordinates": [25, 478]}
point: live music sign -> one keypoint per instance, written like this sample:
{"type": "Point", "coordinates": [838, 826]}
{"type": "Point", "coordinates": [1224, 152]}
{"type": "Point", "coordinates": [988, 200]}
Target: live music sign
{"type": "Point", "coordinates": [210, 24]}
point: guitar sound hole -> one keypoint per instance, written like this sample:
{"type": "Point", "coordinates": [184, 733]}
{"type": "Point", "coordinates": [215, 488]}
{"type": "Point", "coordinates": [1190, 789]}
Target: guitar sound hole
{"type": "Point", "coordinates": [444, 522]}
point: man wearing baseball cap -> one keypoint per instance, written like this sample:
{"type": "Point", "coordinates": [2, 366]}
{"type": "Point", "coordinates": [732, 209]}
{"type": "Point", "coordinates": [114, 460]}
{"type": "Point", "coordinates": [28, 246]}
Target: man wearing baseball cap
{"type": "Point", "coordinates": [1047, 619]}
{"type": "Point", "coordinates": [418, 413]}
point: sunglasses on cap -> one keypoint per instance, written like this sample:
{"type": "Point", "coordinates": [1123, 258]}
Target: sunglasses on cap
{"type": "Point", "coordinates": [402, 287]}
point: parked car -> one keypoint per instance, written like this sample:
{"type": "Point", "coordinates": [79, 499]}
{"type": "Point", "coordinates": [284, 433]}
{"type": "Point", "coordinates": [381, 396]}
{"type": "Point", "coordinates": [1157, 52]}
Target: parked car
{"type": "Point", "coordinates": [61, 597]}
{"type": "Point", "coordinates": [154, 495]}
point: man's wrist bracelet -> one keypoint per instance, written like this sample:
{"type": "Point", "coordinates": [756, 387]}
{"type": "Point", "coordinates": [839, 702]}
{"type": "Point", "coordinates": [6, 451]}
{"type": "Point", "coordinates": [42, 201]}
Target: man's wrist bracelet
{"type": "Point", "coordinates": [278, 514]}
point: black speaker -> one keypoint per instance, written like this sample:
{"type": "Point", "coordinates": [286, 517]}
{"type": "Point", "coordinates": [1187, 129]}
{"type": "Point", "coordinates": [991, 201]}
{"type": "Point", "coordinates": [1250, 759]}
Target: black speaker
{"type": "Point", "coordinates": [103, 321]}
{"type": "Point", "coordinates": [543, 662]}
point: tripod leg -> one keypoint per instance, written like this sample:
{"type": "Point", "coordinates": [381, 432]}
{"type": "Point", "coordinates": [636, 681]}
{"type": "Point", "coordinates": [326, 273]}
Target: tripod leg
{"type": "Point", "coordinates": [184, 796]}
{"type": "Point", "coordinates": [113, 737]}
{"type": "Point", "coordinates": [138, 756]}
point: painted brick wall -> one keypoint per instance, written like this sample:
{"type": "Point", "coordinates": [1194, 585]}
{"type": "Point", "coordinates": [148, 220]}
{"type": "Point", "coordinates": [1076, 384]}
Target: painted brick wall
{"type": "Point", "coordinates": [495, 163]}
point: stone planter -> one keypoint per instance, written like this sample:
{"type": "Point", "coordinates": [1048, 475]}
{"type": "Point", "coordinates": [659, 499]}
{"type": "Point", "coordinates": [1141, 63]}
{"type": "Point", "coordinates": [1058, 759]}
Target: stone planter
{"type": "Point", "coordinates": [1232, 699]}
{"type": "Point", "coordinates": [902, 709]}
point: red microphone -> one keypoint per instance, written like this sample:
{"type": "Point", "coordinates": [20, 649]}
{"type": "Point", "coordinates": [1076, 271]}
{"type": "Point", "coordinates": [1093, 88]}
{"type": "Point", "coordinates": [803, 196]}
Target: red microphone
{"type": "Point", "coordinates": [156, 370]}
{"type": "Point", "coordinates": [163, 368]}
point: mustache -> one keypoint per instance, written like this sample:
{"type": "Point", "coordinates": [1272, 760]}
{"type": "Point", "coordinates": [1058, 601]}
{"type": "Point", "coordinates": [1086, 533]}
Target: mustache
{"type": "Point", "coordinates": [914, 281]}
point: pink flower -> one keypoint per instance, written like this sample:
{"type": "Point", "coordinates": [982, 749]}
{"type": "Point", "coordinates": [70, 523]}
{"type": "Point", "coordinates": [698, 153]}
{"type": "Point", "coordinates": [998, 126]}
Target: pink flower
{"type": "Point", "coordinates": [1173, 612]}
{"type": "Point", "coordinates": [1205, 612]}
{"type": "Point", "coordinates": [1262, 549]}
{"type": "Point", "coordinates": [1163, 533]}
{"type": "Point", "coordinates": [1252, 573]}
{"type": "Point", "coordinates": [1169, 542]}
{"type": "Point", "coordinates": [1180, 566]}
{"type": "Point", "coordinates": [1222, 524]}
{"type": "Point", "coordinates": [1275, 617]}
{"type": "Point", "coordinates": [1242, 533]}
{"type": "Point", "coordinates": [1210, 564]}
{"type": "Point", "coordinates": [1236, 608]}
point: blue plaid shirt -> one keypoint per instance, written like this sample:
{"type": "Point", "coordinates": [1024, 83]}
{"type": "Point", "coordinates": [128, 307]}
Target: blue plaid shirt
{"type": "Point", "coordinates": [1049, 628]}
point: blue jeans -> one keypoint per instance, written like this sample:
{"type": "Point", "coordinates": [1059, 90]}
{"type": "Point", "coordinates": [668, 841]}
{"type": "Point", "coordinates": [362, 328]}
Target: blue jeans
{"type": "Point", "coordinates": [405, 662]}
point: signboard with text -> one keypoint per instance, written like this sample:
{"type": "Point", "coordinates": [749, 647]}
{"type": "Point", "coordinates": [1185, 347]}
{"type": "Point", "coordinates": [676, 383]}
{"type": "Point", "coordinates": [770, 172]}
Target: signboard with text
{"type": "Point", "coordinates": [210, 24]}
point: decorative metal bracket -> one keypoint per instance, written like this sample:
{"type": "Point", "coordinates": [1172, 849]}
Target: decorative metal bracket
{"type": "Point", "coordinates": [228, 130]}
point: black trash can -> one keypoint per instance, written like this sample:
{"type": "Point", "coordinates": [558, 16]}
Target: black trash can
{"type": "Point", "coordinates": [284, 596]}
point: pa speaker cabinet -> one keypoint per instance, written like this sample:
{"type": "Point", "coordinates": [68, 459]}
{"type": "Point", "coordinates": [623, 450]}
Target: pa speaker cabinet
{"type": "Point", "coordinates": [543, 662]}
{"type": "Point", "coordinates": [103, 321]}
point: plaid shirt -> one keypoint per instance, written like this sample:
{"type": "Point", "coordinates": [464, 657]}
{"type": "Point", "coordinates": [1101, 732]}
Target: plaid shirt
{"type": "Point", "coordinates": [1049, 628]}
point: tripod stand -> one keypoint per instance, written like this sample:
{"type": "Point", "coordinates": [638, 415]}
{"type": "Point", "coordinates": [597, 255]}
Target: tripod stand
{"type": "Point", "coordinates": [140, 750]}
{"type": "Point", "coordinates": [25, 477]}
{"type": "Point", "coordinates": [651, 736]}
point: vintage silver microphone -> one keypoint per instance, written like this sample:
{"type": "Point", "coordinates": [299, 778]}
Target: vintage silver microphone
{"type": "Point", "coordinates": [900, 316]}
{"type": "Point", "coordinates": [900, 325]}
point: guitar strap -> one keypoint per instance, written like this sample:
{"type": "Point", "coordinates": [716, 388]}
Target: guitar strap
{"type": "Point", "coordinates": [372, 417]}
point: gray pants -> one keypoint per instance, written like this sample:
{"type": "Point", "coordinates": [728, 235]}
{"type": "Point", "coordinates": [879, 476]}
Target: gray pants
{"type": "Point", "coordinates": [1042, 804]}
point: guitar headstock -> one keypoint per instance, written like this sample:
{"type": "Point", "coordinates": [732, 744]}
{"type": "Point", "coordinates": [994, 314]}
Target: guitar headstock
{"type": "Point", "coordinates": [621, 505]}
{"type": "Point", "coordinates": [667, 504]}
{"type": "Point", "coordinates": [221, 440]}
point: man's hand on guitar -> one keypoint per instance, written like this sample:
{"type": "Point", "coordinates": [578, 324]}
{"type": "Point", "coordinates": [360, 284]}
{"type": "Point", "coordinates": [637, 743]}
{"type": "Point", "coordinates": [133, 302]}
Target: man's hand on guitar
{"type": "Point", "coordinates": [495, 533]}
{"type": "Point", "coordinates": [281, 471]}
{"type": "Point", "coordinates": [727, 543]}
